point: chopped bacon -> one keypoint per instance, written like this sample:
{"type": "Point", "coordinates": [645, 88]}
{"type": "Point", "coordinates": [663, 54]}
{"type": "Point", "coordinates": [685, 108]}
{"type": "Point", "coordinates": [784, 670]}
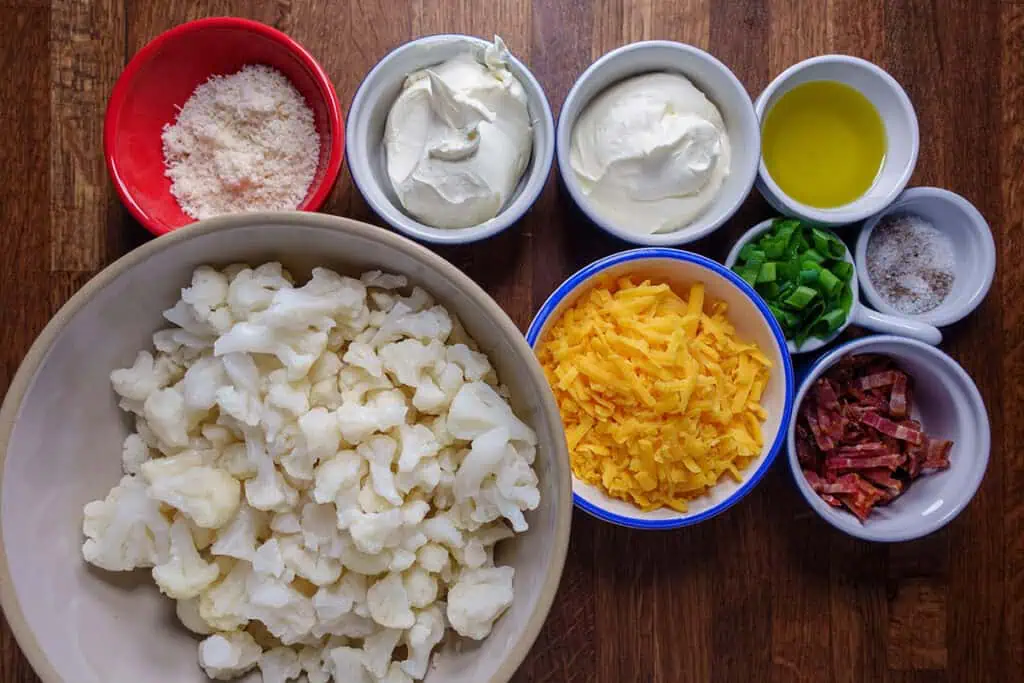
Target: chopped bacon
{"type": "Point", "coordinates": [898, 399]}
{"type": "Point", "coordinates": [838, 462]}
{"type": "Point", "coordinates": [865, 449]}
{"type": "Point", "coordinates": [878, 380]}
{"type": "Point", "coordinates": [893, 429]}
{"type": "Point", "coordinates": [855, 438]}
{"type": "Point", "coordinates": [821, 439]}
{"type": "Point", "coordinates": [937, 455]}
{"type": "Point", "coordinates": [825, 394]}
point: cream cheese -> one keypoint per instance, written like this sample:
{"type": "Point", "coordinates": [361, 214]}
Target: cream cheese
{"type": "Point", "coordinates": [651, 153]}
{"type": "Point", "coordinates": [458, 139]}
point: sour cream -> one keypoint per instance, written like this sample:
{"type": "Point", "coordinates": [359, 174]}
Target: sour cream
{"type": "Point", "coordinates": [651, 153]}
{"type": "Point", "coordinates": [458, 139]}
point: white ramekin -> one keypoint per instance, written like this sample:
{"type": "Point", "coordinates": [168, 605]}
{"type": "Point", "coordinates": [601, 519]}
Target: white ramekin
{"type": "Point", "coordinates": [720, 86]}
{"type": "Point", "coordinates": [902, 137]}
{"type": "Point", "coordinates": [364, 135]}
{"type": "Point", "coordinates": [973, 247]}
{"type": "Point", "coordinates": [949, 406]}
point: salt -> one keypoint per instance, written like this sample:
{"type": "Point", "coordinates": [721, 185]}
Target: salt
{"type": "Point", "coordinates": [910, 263]}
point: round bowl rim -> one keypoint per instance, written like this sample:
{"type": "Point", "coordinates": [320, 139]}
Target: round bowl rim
{"type": "Point", "coordinates": [581, 278]}
{"type": "Point", "coordinates": [533, 183]}
{"type": "Point", "coordinates": [972, 396]}
{"type": "Point", "coordinates": [123, 85]}
{"type": "Point", "coordinates": [39, 349]}
{"type": "Point", "coordinates": [980, 232]}
{"type": "Point", "coordinates": [838, 216]}
{"type": "Point", "coordinates": [563, 142]}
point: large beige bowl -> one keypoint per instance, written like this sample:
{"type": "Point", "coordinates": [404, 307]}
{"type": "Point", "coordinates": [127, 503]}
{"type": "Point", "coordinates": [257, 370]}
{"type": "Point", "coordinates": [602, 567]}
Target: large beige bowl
{"type": "Point", "coordinates": [61, 434]}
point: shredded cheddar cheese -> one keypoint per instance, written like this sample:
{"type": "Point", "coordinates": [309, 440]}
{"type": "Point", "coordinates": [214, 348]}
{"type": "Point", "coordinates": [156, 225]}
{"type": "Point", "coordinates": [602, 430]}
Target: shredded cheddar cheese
{"type": "Point", "coordinates": [658, 396]}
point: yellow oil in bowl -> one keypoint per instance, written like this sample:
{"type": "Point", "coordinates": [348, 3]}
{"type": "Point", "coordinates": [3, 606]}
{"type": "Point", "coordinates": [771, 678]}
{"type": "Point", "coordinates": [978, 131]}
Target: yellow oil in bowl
{"type": "Point", "coordinates": [823, 143]}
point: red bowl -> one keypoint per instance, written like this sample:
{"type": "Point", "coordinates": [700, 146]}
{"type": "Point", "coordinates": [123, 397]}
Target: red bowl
{"type": "Point", "coordinates": [162, 76]}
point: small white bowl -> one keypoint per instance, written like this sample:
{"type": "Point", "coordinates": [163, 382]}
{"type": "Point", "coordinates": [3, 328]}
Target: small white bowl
{"type": "Point", "coordinates": [720, 86]}
{"type": "Point", "coordinates": [901, 132]}
{"type": "Point", "coordinates": [948, 404]}
{"type": "Point", "coordinates": [364, 135]}
{"type": "Point", "coordinates": [860, 316]}
{"type": "Point", "coordinates": [753, 321]}
{"type": "Point", "coordinates": [973, 246]}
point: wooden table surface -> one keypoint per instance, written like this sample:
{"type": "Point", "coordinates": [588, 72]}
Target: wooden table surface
{"type": "Point", "coordinates": [765, 592]}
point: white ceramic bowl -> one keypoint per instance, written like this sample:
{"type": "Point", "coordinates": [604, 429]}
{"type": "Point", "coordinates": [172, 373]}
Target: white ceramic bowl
{"type": "Point", "coordinates": [753, 321]}
{"type": "Point", "coordinates": [720, 86]}
{"type": "Point", "coordinates": [973, 247]}
{"type": "Point", "coordinates": [368, 115]}
{"type": "Point", "coordinates": [948, 405]}
{"type": "Point", "coordinates": [859, 315]}
{"type": "Point", "coordinates": [61, 433]}
{"type": "Point", "coordinates": [902, 137]}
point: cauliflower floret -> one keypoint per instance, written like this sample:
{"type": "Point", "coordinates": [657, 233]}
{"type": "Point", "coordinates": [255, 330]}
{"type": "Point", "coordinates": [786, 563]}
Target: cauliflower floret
{"type": "Point", "coordinates": [285, 523]}
{"type": "Point", "coordinates": [321, 431]}
{"type": "Point", "coordinates": [279, 665]}
{"type": "Point", "coordinates": [379, 451]}
{"type": "Point", "coordinates": [401, 321]}
{"type": "Point", "coordinates": [377, 650]}
{"type": "Point", "coordinates": [478, 598]}
{"type": "Point", "coordinates": [421, 639]}
{"type": "Point", "coordinates": [420, 586]}
{"type": "Point", "coordinates": [297, 350]}
{"type": "Point", "coordinates": [223, 605]}
{"type": "Point", "coordinates": [432, 557]}
{"type": "Point", "coordinates": [417, 442]}
{"type": "Point", "coordinates": [251, 291]}
{"type": "Point", "coordinates": [229, 655]}
{"type": "Point", "coordinates": [187, 612]}
{"type": "Point", "coordinates": [164, 411]}
{"type": "Point", "coordinates": [238, 538]}
{"type": "Point", "coordinates": [208, 297]}
{"type": "Point", "coordinates": [337, 475]}
{"type": "Point", "coordinates": [201, 382]}
{"type": "Point", "coordinates": [206, 495]}
{"type": "Point", "coordinates": [269, 490]}
{"type": "Point", "coordinates": [312, 661]}
{"type": "Point", "coordinates": [293, 399]}
{"type": "Point", "coordinates": [363, 356]}
{"type": "Point", "coordinates": [474, 365]}
{"type": "Point", "coordinates": [346, 664]}
{"type": "Point", "coordinates": [375, 278]}
{"type": "Point", "coordinates": [125, 530]}
{"type": "Point", "coordinates": [185, 574]}
{"type": "Point", "coordinates": [389, 602]}
{"type": "Point", "coordinates": [316, 568]}
{"type": "Point", "coordinates": [478, 408]}
{"type": "Point", "coordinates": [429, 398]}
{"type": "Point", "coordinates": [269, 560]}
{"type": "Point", "coordinates": [134, 453]}
{"type": "Point", "coordinates": [408, 360]}
{"type": "Point", "coordinates": [486, 453]}
{"type": "Point", "coordinates": [383, 411]}
{"type": "Point", "coordinates": [140, 380]}
{"type": "Point", "coordinates": [287, 613]}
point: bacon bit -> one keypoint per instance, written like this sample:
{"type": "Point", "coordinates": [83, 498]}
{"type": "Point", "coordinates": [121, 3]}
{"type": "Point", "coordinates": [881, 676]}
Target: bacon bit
{"type": "Point", "coordinates": [856, 423]}
{"type": "Point", "coordinates": [893, 429]}
{"type": "Point", "coordinates": [825, 394]}
{"type": "Point", "coordinates": [822, 440]}
{"type": "Point", "coordinates": [898, 398]}
{"type": "Point", "coordinates": [937, 455]}
{"type": "Point", "coordinates": [837, 462]}
{"type": "Point", "coordinates": [878, 380]}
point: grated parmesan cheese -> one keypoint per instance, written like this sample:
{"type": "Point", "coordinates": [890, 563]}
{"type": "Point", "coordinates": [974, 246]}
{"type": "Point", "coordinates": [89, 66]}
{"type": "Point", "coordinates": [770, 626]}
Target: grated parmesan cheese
{"type": "Point", "coordinates": [244, 142]}
{"type": "Point", "coordinates": [659, 397]}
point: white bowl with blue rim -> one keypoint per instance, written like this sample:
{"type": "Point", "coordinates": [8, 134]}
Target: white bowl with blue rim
{"type": "Point", "coordinates": [949, 406]}
{"type": "Point", "coordinates": [753, 322]}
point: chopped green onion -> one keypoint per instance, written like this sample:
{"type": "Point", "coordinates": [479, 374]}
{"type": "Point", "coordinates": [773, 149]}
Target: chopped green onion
{"type": "Point", "coordinates": [801, 272]}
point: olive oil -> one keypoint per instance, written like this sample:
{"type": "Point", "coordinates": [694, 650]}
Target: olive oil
{"type": "Point", "coordinates": [823, 143]}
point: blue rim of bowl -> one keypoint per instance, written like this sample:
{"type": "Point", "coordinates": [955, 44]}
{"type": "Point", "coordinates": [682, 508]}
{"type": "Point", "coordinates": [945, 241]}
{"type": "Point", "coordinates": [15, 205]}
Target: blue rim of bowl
{"type": "Point", "coordinates": [584, 274]}
{"type": "Point", "coordinates": [833, 356]}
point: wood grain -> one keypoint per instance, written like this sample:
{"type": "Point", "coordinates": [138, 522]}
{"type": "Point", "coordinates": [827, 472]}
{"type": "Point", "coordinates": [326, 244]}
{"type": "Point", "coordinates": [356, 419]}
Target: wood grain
{"type": "Point", "coordinates": [766, 591]}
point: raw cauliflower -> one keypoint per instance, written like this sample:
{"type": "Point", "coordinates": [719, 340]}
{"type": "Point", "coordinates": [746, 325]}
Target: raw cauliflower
{"type": "Point", "coordinates": [318, 476]}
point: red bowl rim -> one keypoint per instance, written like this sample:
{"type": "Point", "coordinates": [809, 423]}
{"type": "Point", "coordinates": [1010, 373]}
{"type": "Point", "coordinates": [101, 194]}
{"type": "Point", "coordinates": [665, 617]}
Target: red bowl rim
{"type": "Point", "coordinates": [323, 81]}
